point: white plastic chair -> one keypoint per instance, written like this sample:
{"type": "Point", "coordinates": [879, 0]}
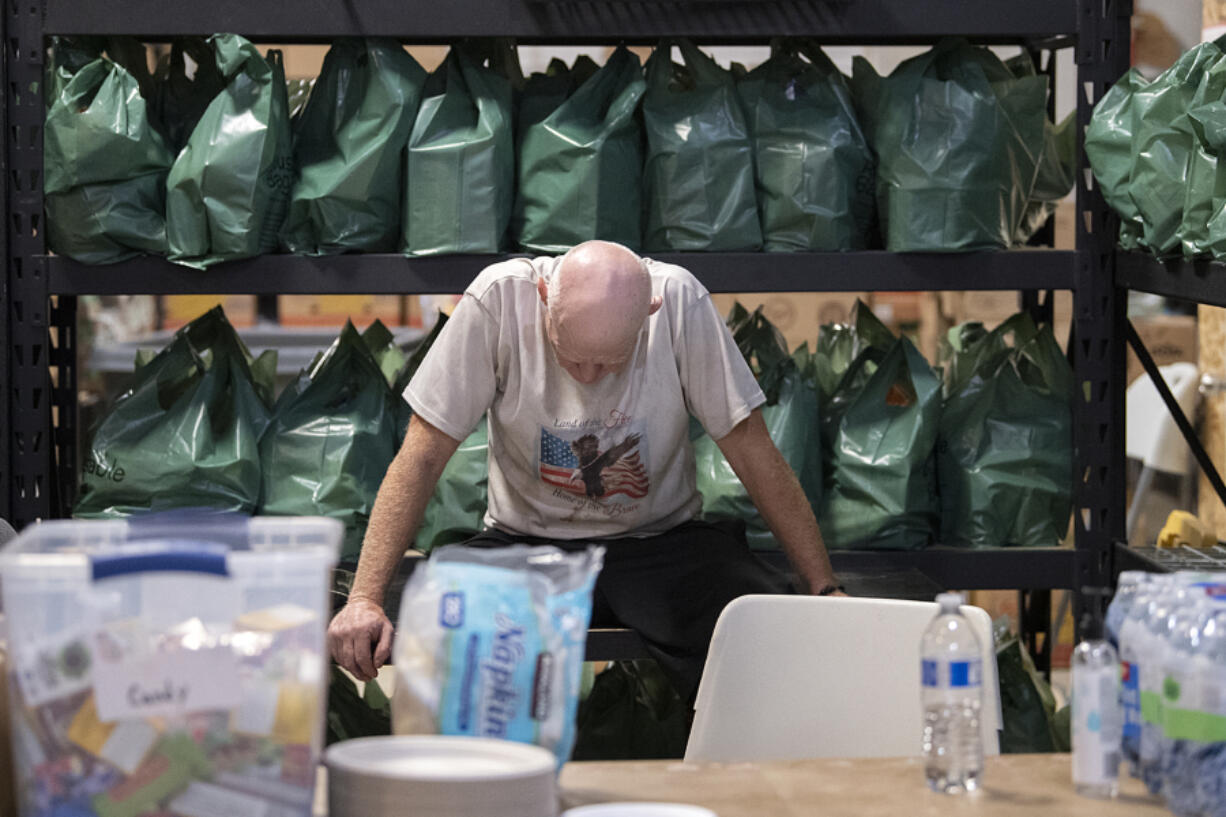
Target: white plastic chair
{"type": "Point", "coordinates": [1150, 433]}
{"type": "Point", "coordinates": [807, 676]}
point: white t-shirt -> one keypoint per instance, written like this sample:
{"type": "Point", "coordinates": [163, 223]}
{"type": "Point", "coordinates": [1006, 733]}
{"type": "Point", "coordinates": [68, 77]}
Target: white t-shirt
{"type": "Point", "coordinates": [569, 461]}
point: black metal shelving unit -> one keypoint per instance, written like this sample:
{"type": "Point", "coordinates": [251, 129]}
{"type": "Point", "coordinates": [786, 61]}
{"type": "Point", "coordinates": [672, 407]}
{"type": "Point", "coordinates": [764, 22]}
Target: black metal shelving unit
{"type": "Point", "coordinates": [719, 272]}
{"type": "Point", "coordinates": [37, 372]}
{"type": "Point", "coordinates": [1202, 281]}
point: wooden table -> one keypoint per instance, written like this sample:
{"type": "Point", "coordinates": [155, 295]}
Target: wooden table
{"type": "Point", "coordinates": [1021, 785]}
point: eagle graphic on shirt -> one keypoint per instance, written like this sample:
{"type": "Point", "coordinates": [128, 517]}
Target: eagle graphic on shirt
{"type": "Point", "coordinates": [582, 467]}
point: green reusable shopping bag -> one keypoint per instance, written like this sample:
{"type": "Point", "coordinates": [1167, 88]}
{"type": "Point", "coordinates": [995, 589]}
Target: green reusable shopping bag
{"type": "Point", "coordinates": [879, 435]}
{"type": "Point", "coordinates": [1163, 143]}
{"type": "Point", "coordinates": [792, 423]}
{"type": "Point", "coordinates": [1057, 165]}
{"type": "Point", "coordinates": [457, 507]}
{"type": "Point", "coordinates": [180, 97]}
{"type": "Point", "coordinates": [105, 164]}
{"type": "Point", "coordinates": [838, 346]}
{"type": "Point", "coordinates": [698, 178]}
{"type": "Point", "coordinates": [580, 169]}
{"type": "Point", "coordinates": [331, 440]}
{"type": "Point", "coordinates": [68, 55]}
{"type": "Point", "coordinates": [815, 172]}
{"type": "Point", "coordinates": [1004, 456]}
{"type": "Point", "coordinates": [1054, 179]}
{"type": "Point", "coordinates": [544, 91]}
{"type": "Point", "coordinates": [1202, 230]}
{"type": "Point", "coordinates": [460, 162]}
{"type": "Point", "coordinates": [184, 434]}
{"type": "Point", "coordinates": [1108, 145]}
{"type": "Point", "coordinates": [348, 146]}
{"type": "Point", "coordinates": [229, 188]}
{"type": "Point", "coordinates": [958, 139]}
{"type": "Point", "coordinates": [791, 417]}
{"type": "Point", "coordinates": [212, 334]}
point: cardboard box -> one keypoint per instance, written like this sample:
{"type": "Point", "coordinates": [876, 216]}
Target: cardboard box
{"type": "Point", "coordinates": [334, 310]}
{"type": "Point", "coordinates": [1169, 339]}
{"type": "Point", "coordinates": [178, 310]}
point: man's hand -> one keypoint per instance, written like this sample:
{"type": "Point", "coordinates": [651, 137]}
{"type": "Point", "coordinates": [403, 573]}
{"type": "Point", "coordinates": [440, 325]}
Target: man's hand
{"type": "Point", "coordinates": [360, 625]}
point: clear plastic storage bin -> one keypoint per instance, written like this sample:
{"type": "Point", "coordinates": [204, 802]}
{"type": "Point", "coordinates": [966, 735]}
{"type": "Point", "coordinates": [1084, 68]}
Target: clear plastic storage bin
{"type": "Point", "coordinates": [168, 666]}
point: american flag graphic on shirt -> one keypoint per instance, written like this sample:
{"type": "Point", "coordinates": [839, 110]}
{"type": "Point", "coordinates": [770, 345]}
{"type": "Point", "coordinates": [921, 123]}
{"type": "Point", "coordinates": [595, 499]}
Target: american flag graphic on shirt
{"type": "Point", "coordinates": [595, 468]}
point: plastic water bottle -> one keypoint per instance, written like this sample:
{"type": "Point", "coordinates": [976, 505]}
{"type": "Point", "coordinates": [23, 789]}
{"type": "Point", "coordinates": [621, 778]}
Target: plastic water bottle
{"type": "Point", "coordinates": [1132, 633]}
{"type": "Point", "coordinates": [1128, 588]}
{"type": "Point", "coordinates": [1194, 704]}
{"type": "Point", "coordinates": [952, 674]}
{"type": "Point", "coordinates": [1152, 652]}
{"type": "Point", "coordinates": [1096, 718]}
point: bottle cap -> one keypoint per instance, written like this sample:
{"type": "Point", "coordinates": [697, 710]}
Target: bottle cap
{"type": "Point", "coordinates": [1093, 600]}
{"type": "Point", "coordinates": [951, 600]}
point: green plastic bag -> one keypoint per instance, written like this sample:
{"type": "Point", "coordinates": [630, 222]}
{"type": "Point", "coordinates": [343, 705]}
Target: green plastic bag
{"type": "Point", "coordinates": [348, 146]}
{"type": "Point", "coordinates": [791, 417]}
{"type": "Point", "coordinates": [1109, 150]}
{"type": "Point", "coordinates": [105, 164]}
{"type": "Point", "coordinates": [461, 162]}
{"type": "Point", "coordinates": [763, 347]}
{"type": "Point", "coordinates": [544, 91]}
{"type": "Point", "coordinates": [1005, 455]}
{"type": "Point", "coordinates": [212, 334]}
{"type": "Point", "coordinates": [457, 508]}
{"type": "Point", "coordinates": [1028, 723]}
{"type": "Point", "coordinates": [1202, 230]}
{"type": "Point", "coordinates": [229, 188]}
{"type": "Point", "coordinates": [184, 435]}
{"type": "Point", "coordinates": [1163, 143]}
{"type": "Point", "coordinates": [814, 169]}
{"type": "Point", "coordinates": [580, 169]}
{"type": "Point", "coordinates": [632, 713]}
{"type": "Point", "coordinates": [1057, 165]}
{"type": "Point", "coordinates": [958, 139]}
{"type": "Point", "coordinates": [179, 98]}
{"type": "Point", "coordinates": [838, 346]}
{"type": "Point", "coordinates": [1055, 176]}
{"type": "Point", "coordinates": [878, 441]}
{"type": "Point", "coordinates": [332, 438]}
{"type": "Point", "coordinates": [792, 424]}
{"type": "Point", "coordinates": [698, 178]}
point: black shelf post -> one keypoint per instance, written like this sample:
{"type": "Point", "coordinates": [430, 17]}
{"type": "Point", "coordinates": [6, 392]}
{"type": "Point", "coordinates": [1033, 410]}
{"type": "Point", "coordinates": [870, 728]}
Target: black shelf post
{"type": "Point", "coordinates": [6, 422]}
{"type": "Point", "coordinates": [1098, 315]}
{"type": "Point", "coordinates": [29, 394]}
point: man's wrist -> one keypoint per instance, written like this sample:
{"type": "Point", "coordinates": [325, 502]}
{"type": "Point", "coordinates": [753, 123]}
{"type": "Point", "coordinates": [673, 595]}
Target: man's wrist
{"type": "Point", "coordinates": [368, 597]}
{"type": "Point", "coordinates": [829, 589]}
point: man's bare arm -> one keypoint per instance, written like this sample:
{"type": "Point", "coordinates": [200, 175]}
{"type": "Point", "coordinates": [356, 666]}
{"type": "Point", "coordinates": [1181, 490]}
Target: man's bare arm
{"type": "Point", "coordinates": [778, 496]}
{"type": "Point", "coordinates": [399, 506]}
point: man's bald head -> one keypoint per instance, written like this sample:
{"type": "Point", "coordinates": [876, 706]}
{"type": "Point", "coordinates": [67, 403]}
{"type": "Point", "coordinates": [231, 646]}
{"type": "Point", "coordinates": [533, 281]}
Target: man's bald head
{"type": "Point", "coordinates": [596, 303]}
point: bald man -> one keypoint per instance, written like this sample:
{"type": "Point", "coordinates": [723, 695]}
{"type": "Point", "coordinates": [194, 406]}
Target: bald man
{"type": "Point", "coordinates": [589, 367]}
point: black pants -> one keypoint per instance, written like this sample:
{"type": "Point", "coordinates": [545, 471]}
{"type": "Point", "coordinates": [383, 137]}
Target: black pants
{"type": "Point", "coordinates": [669, 588]}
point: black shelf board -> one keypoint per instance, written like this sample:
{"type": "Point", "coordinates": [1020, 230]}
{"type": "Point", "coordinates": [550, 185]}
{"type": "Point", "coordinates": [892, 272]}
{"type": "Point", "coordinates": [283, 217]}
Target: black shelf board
{"type": "Point", "coordinates": [1203, 281]}
{"type": "Point", "coordinates": [719, 272]}
{"type": "Point", "coordinates": [860, 21]}
{"type": "Point", "coordinates": [962, 569]}
{"type": "Point", "coordinates": [1169, 559]}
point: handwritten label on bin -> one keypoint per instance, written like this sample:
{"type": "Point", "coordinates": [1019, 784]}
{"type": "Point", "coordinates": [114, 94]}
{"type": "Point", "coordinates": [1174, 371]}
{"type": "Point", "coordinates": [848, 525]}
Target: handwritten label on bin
{"type": "Point", "coordinates": [167, 684]}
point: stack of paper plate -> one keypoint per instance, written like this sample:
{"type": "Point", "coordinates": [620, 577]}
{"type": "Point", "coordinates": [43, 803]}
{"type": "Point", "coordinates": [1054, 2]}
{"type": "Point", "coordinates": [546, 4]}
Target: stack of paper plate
{"type": "Point", "coordinates": [437, 776]}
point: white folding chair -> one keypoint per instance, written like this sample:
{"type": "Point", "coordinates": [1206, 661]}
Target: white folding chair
{"type": "Point", "coordinates": [806, 676]}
